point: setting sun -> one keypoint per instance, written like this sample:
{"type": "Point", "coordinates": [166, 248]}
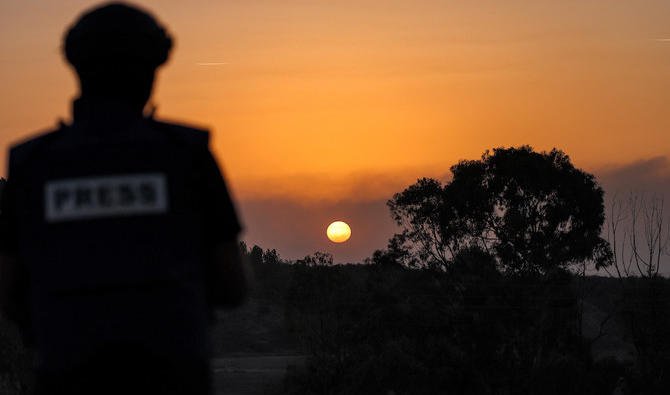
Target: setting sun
{"type": "Point", "coordinates": [338, 232]}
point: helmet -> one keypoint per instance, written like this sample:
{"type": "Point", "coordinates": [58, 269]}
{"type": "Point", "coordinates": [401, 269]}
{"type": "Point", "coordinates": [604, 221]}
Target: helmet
{"type": "Point", "coordinates": [116, 35]}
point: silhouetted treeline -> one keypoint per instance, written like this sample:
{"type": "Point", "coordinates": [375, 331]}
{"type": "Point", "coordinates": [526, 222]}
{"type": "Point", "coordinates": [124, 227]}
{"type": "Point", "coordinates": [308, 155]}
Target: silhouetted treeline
{"type": "Point", "coordinates": [497, 305]}
{"type": "Point", "coordinates": [370, 329]}
{"type": "Point", "coordinates": [529, 211]}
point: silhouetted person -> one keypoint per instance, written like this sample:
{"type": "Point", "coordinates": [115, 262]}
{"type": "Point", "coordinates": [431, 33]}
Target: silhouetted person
{"type": "Point", "coordinates": [118, 235]}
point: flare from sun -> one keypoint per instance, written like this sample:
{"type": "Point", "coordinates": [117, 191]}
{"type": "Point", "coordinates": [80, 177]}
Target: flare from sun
{"type": "Point", "coordinates": [338, 232]}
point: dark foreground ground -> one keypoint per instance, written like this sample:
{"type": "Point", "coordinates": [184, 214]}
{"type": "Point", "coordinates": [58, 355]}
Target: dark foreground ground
{"type": "Point", "coordinates": [349, 328]}
{"type": "Point", "coordinates": [268, 346]}
{"type": "Point", "coordinates": [252, 373]}
{"type": "Point", "coordinates": [254, 348]}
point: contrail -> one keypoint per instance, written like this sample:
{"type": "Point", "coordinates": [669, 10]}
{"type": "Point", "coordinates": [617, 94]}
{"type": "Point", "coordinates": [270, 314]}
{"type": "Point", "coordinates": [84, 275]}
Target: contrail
{"type": "Point", "coordinates": [212, 63]}
{"type": "Point", "coordinates": [662, 39]}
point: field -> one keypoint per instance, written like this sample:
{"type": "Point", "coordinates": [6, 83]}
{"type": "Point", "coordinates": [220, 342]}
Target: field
{"type": "Point", "coordinates": [374, 321]}
{"type": "Point", "coordinates": [253, 348]}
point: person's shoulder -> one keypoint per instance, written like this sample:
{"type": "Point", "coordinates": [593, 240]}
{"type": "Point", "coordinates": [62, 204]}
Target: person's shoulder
{"type": "Point", "coordinates": [23, 149]}
{"type": "Point", "coordinates": [188, 134]}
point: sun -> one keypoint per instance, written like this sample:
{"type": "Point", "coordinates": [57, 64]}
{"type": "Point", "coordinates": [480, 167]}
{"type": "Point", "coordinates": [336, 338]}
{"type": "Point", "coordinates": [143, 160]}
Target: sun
{"type": "Point", "coordinates": [338, 232]}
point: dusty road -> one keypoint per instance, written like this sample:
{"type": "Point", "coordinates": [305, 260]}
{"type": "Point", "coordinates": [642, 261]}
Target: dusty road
{"type": "Point", "coordinates": [252, 374]}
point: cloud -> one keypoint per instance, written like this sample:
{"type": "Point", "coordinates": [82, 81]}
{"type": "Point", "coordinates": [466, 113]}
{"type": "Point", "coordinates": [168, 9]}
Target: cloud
{"type": "Point", "coordinates": [291, 213]}
{"type": "Point", "coordinates": [296, 228]}
{"type": "Point", "coordinates": [648, 176]}
{"type": "Point", "coordinates": [316, 187]}
{"type": "Point", "coordinates": [644, 179]}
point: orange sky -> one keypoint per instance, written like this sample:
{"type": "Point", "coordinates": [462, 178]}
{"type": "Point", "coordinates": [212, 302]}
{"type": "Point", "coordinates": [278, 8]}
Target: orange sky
{"type": "Point", "coordinates": [353, 100]}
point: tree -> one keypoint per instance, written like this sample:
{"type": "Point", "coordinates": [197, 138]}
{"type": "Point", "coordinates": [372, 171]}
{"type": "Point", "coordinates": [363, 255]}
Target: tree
{"type": "Point", "coordinates": [417, 211]}
{"type": "Point", "coordinates": [534, 212]}
{"type": "Point", "coordinates": [639, 234]}
{"type": "Point", "coordinates": [317, 259]}
{"type": "Point", "coordinates": [244, 251]}
{"type": "Point", "coordinates": [271, 257]}
{"type": "Point", "coordinates": [648, 250]}
{"type": "Point", "coordinates": [256, 255]}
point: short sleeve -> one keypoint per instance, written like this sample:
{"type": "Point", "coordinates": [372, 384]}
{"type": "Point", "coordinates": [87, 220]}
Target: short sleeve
{"type": "Point", "coordinates": [220, 217]}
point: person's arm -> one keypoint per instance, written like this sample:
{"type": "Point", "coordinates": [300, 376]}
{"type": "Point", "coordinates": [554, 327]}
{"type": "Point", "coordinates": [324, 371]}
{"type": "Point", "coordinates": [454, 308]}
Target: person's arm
{"type": "Point", "coordinates": [13, 275]}
{"type": "Point", "coordinates": [9, 280]}
{"type": "Point", "coordinates": [9, 271]}
{"type": "Point", "coordinates": [230, 284]}
{"type": "Point", "coordinates": [228, 276]}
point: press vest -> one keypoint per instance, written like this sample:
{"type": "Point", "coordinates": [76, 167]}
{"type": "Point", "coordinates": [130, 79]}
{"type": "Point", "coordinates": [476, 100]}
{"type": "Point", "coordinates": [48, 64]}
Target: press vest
{"type": "Point", "coordinates": [113, 235]}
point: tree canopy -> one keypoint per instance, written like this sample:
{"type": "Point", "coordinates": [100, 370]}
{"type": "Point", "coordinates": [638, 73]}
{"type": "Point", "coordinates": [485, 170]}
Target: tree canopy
{"type": "Point", "coordinates": [531, 211]}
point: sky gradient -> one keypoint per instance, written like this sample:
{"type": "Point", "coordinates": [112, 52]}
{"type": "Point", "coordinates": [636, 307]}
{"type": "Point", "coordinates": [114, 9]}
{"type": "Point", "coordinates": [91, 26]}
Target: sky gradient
{"type": "Point", "coordinates": [322, 110]}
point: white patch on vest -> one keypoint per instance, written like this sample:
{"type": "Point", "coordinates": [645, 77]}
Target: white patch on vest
{"type": "Point", "coordinates": [99, 197]}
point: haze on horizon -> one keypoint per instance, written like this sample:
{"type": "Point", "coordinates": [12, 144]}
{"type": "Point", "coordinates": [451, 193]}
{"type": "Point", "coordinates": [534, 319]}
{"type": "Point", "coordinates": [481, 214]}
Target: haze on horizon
{"type": "Point", "coordinates": [321, 111]}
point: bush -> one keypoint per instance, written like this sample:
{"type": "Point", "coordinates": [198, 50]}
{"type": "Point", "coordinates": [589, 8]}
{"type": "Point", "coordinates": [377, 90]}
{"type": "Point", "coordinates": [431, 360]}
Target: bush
{"type": "Point", "coordinates": [380, 328]}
